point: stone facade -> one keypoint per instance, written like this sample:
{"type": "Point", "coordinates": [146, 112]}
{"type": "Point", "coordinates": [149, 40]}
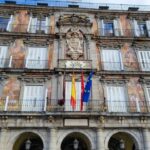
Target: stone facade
{"type": "Point", "coordinates": [74, 41]}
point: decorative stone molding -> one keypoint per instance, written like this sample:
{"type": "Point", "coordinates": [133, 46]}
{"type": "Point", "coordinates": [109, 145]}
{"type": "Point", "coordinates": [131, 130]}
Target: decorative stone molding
{"type": "Point", "coordinates": [143, 119]}
{"type": "Point", "coordinates": [34, 79]}
{"type": "Point", "coordinates": [102, 119]}
{"type": "Point", "coordinates": [70, 64]}
{"type": "Point", "coordinates": [78, 20]}
{"type": "Point", "coordinates": [74, 41]}
{"type": "Point", "coordinates": [121, 119]}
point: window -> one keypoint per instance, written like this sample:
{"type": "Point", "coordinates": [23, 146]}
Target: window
{"type": "Point", "coordinates": [144, 59]}
{"type": "Point", "coordinates": [141, 28]}
{"type": "Point", "coordinates": [68, 106]}
{"type": "Point", "coordinates": [38, 25]}
{"type": "Point", "coordinates": [3, 55]}
{"type": "Point", "coordinates": [111, 60]}
{"type": "Point", "coordinates": [110, 27]}
{"type": "Point", "coordinates": [33, 98]}
{"type": "Point", "coordinates": [148, 95]}
{"type": "Point", "coordinates": [6, 23]}
{"type": "Point", "coordinates": [115, 98]}
{"type": "Point", "coordinates": [36, 58]}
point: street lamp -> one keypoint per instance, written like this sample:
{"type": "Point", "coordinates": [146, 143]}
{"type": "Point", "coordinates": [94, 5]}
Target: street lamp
{"type": "Point", "coordinates": [28, 144]}
{"type": "Point", "coordinates": [75, 144]}
{"type": "Point", "coordinates": [122, 144]}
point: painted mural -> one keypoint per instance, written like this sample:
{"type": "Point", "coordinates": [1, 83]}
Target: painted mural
{"type": "Point", "coordinates": [129, 58]}
{"type": "Point", "coordinates": [11, 91]}
{"type": "Point", "coordinates": [136, 96]}
{"type": "Point", "coordinates": [21, 21]}
{"type": "Point", "coordinates": [17, 51]}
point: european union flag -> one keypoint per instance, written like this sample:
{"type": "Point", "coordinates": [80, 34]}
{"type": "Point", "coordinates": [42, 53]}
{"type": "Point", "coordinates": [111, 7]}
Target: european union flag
{"type": "Point", "coordinates": [87, 88]}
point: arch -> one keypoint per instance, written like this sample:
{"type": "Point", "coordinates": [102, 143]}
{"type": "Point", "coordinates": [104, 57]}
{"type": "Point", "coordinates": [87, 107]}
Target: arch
{"type": "Point", "coordinates": [11, 142]}
{"type": "Point", "coordinates": [83, 134]}
{"type": "Point", "coordinates": [36, 141]}
{"type": "Point", "coordinates": [130, 133]}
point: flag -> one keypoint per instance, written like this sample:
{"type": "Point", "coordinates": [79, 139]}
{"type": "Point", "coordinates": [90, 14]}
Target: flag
{"type": "Point", "coordinates": [82, 91]}
{"type": "Point", "coordinates": [73, 93]}
{"type": "Point", "coordinates": [87, 88]}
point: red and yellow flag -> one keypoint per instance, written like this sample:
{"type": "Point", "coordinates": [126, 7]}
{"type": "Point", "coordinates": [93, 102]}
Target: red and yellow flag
{"type": "Point", "coordinates": [73, 93]}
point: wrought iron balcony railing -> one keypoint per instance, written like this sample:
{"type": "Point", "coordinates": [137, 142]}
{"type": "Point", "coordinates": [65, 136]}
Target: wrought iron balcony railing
{"type": "Point", "coordinates": [23, 28]}
{"type": "Point", "coordinates": [51, 105]}
{"type": "Point", "coordinates": [23, 63]}
{"type": "Point", "coordinates": [123, 32]}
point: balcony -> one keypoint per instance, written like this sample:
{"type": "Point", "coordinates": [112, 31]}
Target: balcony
{"type": "Point", "coordinates": [129, 33]}
{"type": "Point", "coordinates": [23, 64]}
{"type": "Point", "coordinates": [93, 106]}
{"type": "Point", "coordinates": [23, 28]}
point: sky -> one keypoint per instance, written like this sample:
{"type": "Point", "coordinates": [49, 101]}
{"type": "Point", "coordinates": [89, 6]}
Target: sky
{"type": "Point", "coordinates": [133, 2]}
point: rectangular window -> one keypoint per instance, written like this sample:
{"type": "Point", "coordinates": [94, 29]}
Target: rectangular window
{"type": "Point", "coordinates": [142, 29]}
{"type": "Point", "coordinates": [68, 106]}
{"type": "Point", "coordinates": [148, 96]}
{"type": "Point", "coordinates": [144, 59]}
{"type": "Point", "coordinates": [33, 98]}
{"type": "Point", "coordinates": [36, 58]}
{"type": "Point", "coordinates": [115, 98]}
{"type": "Point", "coordinates": [6, 23]}
{"type": "Point", "coordinates": [108, 29]}
{"type": "Point", "coordinates": [3, 55]}
{"type": "Point", "coordinates": [38, 25]}
{"type": "Point", "coordinates": [111, 60]}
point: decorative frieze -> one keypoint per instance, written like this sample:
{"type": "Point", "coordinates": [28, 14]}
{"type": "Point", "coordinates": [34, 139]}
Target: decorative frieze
{"type": "Point", "coordinates": [70, 64]}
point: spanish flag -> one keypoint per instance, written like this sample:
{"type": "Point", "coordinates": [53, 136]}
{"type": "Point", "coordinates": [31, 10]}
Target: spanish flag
{"type": "Point", "coordinates": [73, 93]}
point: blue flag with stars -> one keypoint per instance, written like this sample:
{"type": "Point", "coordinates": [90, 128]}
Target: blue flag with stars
{"type": "Point", "coordinates": [87, 88]}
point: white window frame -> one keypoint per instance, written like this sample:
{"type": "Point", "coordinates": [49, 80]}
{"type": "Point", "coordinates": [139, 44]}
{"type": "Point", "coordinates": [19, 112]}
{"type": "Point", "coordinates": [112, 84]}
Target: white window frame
{"type": "Point", "coordinates": [30, 101]}
{"type": "Point", "coordinates": [34, 28]}
{"type": "Point", "coordinates": [35, 58]}
{"type": "Point", "coordinates": [144, 62]}
{"type": "Point", "coordinates": [147, 96]}
{"type": "Point", "coordinates": [3, 55]}
{"type": "Point", "coordinates": [111, 64]}
{"type": "Point", "coordinates": [117, 99]}
{"type": "Point", "coordinates": [117, 27]}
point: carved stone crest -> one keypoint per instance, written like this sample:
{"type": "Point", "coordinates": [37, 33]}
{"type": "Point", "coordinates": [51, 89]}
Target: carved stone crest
{"type": "Point", "coordinates": [74, 41]}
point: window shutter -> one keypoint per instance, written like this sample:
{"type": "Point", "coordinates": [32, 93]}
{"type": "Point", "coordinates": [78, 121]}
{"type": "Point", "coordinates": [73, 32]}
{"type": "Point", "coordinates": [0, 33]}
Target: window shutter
{"type": "Point", "coordinates": [116, 27]}
{"type": "Point", "coordinates": [148, 27]}
{"type": "Point", "coordinates": [136, 28]}
{"type": "Point", "coordinates": [102, 27]}
{"type": "Point", "coordinates": [68, 96]}
{"type": "Point", "coordinates": [47, 23]}
{"type": "Point", "coordinates": [29, 25]}
{"type": "Point", "coordinates": [144, 57]}
{"type": "Point", "coordinates": [9, 26]}
{"type": "Point", "coordinates": [116, 98]}
{"type": "Point", "coordinates": [148, 94]}
{"type": "Point", "coordinates": [120, 27]}
{"type": "Point", "coordinates": [3, 54]}
{"type": "Point", "coordinates": [111, 59]}
{"type": "Point", "coordinates": [33, 25]}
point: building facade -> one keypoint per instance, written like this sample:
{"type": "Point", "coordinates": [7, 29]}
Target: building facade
{"type": "Point", "coordinates": [40, 49]}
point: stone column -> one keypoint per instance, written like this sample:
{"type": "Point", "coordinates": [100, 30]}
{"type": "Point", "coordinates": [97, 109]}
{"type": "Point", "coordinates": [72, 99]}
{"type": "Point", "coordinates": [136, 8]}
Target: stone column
{"type": "Point", "coordinates": [52, 142]}
{"type": "Point", "coordinates": [146, 136]}
{"type": "Point", "coordinates": [100, 139]}
{"type": "Point", "coordinates": [3, 139]}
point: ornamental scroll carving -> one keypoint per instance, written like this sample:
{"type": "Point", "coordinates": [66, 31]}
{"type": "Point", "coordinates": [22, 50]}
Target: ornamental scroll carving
{"type": "Point", "coordinates": [74, 41]}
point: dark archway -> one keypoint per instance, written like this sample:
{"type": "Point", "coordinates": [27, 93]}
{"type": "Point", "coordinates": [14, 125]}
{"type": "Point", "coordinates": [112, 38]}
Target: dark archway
{"type": "Point", "coordinates": [123, 139]}
{"type": "Point", "coordinates": [68, 142]}
{"type": "Point", "coordinates": [36, 142]}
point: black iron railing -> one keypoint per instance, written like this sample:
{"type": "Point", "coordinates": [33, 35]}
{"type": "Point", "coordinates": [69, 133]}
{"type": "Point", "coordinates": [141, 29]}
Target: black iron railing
{"type": "Point", "coordinates": [54, 105]}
